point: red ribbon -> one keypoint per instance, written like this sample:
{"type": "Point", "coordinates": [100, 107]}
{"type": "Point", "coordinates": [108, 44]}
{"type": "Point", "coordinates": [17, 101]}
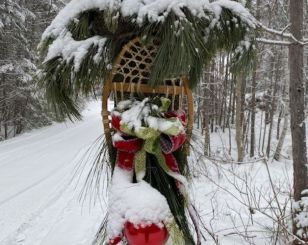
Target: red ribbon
{"type": "Point", "coordinates": [128, 146]}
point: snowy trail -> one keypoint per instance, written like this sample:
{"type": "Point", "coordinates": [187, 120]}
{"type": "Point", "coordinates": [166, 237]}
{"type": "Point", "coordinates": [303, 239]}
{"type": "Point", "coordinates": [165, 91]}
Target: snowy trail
{"type": "Point", "coordinates": [38, 202]}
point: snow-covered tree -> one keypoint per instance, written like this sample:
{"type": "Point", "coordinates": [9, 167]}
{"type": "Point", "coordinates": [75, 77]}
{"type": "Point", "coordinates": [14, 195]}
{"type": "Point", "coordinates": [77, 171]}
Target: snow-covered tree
{"type": "Point", "coordinates": [21, 106]}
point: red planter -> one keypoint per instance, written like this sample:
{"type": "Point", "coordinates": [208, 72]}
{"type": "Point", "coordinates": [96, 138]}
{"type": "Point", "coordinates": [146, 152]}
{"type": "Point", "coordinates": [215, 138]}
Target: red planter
{"type": "Point", "coordinates": [149, 235]}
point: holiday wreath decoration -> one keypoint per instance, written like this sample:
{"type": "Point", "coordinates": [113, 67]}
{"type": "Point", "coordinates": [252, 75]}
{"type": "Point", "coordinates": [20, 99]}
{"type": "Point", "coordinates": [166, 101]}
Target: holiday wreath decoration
{"type": "Point", "coordinates": [147, 55]}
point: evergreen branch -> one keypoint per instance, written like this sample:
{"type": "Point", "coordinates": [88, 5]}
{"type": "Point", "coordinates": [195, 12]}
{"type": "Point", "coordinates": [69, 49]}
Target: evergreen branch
{"type": "Point", "coordinates": [186, 47]}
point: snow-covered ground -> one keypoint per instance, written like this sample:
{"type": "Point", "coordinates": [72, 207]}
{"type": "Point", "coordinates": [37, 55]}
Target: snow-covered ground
{"type": "Point", "coordinates": [243, 203]}
{"type": "Point", "coordinates": [39, 194]}
{"type": "Point", "coordinates": [39, 202]}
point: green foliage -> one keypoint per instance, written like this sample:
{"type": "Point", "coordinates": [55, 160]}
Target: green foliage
{"type": "Point", "coordinates": [166, 185]}
{"type": "Point", "coordinates": [186, 46]}
{"type": "Point", "coordinates": [80, 28]}
{"type": "Point", "coordinates": [63, 85]}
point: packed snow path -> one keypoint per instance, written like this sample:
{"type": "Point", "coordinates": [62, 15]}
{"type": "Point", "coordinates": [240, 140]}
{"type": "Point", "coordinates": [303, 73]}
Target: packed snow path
{"type": "Point", "coordinates": [38, 201]}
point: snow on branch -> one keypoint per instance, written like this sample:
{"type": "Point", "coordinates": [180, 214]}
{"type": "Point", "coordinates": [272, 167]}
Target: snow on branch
{"type": "Point", "coordinates": [72, 50]}
{"type": "Point", "coordinates": [273, 42]}
{"type": "Point", "coordinates": [236, 8]}
{"type": "Point", "coordinates": [282, 34]}
{"type": "Point", "coordinates": [153, 11]}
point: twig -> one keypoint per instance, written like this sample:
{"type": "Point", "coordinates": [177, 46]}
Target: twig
{"type": "Point", "coordinates": [275, 42]}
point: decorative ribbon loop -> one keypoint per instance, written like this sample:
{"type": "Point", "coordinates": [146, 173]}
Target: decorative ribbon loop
{"type": "Point", "coordinates": [131, 145]}
{"type": "Point", "coordinates": [178, 114]}
{"type": "Point", "coordinates": [171, 144]}
{"type": "Point", "coordinates": [115, 122]}
{"type": "Point", "coordinates": [132, 150]}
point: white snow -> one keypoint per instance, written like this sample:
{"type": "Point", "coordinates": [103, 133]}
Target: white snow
{"type": "Point", "coordinates": [157, 10]}
{"type": "Point", "coordinates": [124, 104]}
{"type": "Point", "coordinates": [153, 10]}
{"type": "Point", "coordinates": [138, 112]}
{"type": "Point", "coordinates": [234, 7]}
{"type": "Point", "coordinates": [135, 114]}
{"type": "Point", "coordinates": [71, 11]}
{"type": "Point", "coordinates": [39, 194]}
{"type": "Point", "coordinates": [302, 217]}
{"type": "Point", "coordinates": [163, 125]}
{"type": "Point", "coordinates": [137, 203]}
{"type": "Point", "coordinates": [69, 49]}
{"type": "Point", "coordinates": [6, 68]}
{"type": "Point", "coordinates": [117, 137]}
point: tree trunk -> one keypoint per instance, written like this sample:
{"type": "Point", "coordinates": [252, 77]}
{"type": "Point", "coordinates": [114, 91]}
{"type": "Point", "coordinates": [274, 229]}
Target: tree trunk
{"type": "Point", "coordinates": [297, 110]}
{"type": "Point", "coordinates": [253, 96]}
{"type": "Point", "coordinates": [233, 79]}
{"type": "Point", "coordinates": [285, 114]}
{"type": "Point", "coordinates": [273, 104]}
{"type": "Point", "coordinates": [240, 151]}
{"type": "Point", "coordinates": [253, 112]}
{"type": "Point", "coordinates": [282, 137]}
{"type": "Point", "coordinates": [278, 124]}
{"type": "Point", "coordinates": [206, 116]}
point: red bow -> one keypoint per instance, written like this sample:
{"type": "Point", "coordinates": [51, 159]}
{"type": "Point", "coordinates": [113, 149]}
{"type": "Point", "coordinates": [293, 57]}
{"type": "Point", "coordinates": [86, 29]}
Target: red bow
{"type": "Point", "coordinates": [127, 146]}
